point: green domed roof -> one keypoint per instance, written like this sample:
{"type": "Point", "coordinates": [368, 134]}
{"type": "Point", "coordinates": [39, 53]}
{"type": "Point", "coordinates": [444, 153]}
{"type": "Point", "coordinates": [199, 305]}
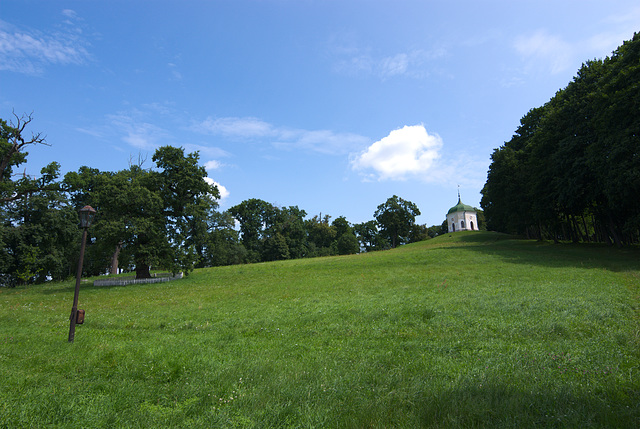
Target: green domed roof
{"type": "Point", "coordinates": [461, 208]}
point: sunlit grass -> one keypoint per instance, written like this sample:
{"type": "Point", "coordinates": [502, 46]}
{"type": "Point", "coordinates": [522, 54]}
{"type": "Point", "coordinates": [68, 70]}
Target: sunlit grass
{"type": "Point", "coordinates": [460, 331]}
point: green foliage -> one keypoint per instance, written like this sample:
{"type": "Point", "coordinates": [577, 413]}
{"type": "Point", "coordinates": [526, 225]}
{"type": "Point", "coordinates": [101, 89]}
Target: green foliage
{"type": "Point", "coordinates": [40, 237]}
{"type": "Point", "coordinates": [396, 218]}
{"type": "Point", "coordinates": [146, 217]}
{"type": "Point", "coordinates": [321, 235]}
{"type": "Point", "coordinates": [370, 237]}
{"type": "Point", "coordinates": [37, 226]}
{"type": "Point", "coordinates": [163, 217]}
{"type": "Point", "coordinates": [256, 218]}
{"type": "Point", "coordinates": [469, 330]}
{"type": "Point", "coordinates": [221, 242]}
{"type": "Point", "coordinates": [347, 244]}
{"type": "Point", "coordinates": [271, 233]}
{"type": "Point", "coordinates": [572, 170]}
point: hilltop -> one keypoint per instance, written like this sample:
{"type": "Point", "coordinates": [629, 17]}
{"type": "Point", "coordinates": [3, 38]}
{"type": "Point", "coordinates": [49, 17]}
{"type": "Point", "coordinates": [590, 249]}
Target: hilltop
{"type": "Point", "coordinates": [467, 329]}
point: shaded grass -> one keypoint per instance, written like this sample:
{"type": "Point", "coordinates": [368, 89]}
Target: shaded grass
{"type": "Point", "coordinates": [472, 330]}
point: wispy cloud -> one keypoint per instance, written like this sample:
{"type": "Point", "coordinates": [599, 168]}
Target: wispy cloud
{"type": "Point", "coordinates": [619, 27]}
{"type": "Point", "coordinates": [212, 165]}
{"type": "Point", "coordinates": [173, 69]}
{"type": "Point", "coordinates": [414, 64]}
{"type": "Point", "coordinates": [542, 49]}
{"type": "Point", "coordinates": [348, 57]}
{"type": "Point", "coordinates": [29, 51]}
{"type": "Point", "coordinates": [236, 127]}
{"type": "Point", "coordinates": [138, 133]}
{"type": "Point", "coordinates": [254, 129]}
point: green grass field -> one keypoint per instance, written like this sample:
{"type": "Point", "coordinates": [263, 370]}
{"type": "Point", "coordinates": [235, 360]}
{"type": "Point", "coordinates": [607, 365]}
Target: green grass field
{"type": "Point", "coordinates": [468, 330]}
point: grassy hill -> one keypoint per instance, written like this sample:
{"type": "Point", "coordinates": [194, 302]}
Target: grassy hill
{"type": "Point", "coordinates": [465, 330]}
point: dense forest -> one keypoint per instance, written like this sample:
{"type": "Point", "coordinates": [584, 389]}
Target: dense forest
{"type": "Point", "coordinates": [162, 217]}
{"type": "Point", "coordinates": [572, 169]}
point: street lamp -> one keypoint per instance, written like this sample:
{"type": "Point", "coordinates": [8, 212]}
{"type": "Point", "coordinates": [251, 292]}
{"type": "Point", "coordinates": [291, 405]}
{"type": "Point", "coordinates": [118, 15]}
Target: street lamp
{"type": "Point", "coordinates": [77, 317]}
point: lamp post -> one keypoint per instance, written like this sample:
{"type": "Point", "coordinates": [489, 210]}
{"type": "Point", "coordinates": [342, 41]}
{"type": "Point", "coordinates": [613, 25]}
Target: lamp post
{"type": "Point", "coordinates": [86, 216]}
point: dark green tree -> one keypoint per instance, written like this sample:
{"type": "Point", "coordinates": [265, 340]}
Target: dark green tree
{"type": "Point", "coordinates": [42, 238]}
{"type": "Point", "coordinates": [147, 218]}
{"type": "Point", "coordinates": [321, 235]}
{"type": "Point", "coordinates": [187, 202]}
{"type": "Point", "coordinates": [396, 217]}
{"type": "Point", "coordinates": [369, 236]}
{"type": "Point", "coordinates": [572, 170]}
{"type": "Point", "coordinates": [290, 225]}
{"type": "Point", "coordinates": [256, 218]}
{"type": "Point", "coordinates": [346, 242]}
{"type": "Point", "coordinates": [222, 244]}
{"type": "Point", "coordinates": [418, 233]}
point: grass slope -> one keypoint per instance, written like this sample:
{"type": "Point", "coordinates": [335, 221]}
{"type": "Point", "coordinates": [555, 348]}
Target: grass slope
{"type": "Point", "coordinates": [465, 330]}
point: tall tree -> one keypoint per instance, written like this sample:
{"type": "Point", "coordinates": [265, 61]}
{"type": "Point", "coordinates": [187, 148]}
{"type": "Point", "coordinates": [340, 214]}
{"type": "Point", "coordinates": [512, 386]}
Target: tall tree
{"type": "Point", "coordinates": [396, 218]}
{"type": "Point", "coordinates": [187, 201]}
{"type": "Point", "coordinates": [222, 244]}
{"type": "Point", "coordinates": [147, 218]}
{"type": "Point", "coordinates": [42, 237]}
{"type": "Point", "coordinates": [572, 170]}
{"type": "Point", "coordinates": [346, 241]}
{"type": "Point", "coordinates": [321, 234]}
{"type": "Point", "coordinates": [290, 224]}
{"type": "Point", "coordinates": [256, 218]}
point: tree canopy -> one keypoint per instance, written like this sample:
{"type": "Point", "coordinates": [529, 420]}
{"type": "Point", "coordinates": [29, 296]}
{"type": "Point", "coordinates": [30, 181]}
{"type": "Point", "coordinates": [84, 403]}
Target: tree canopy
{"type": "Point", "coordinates": [396, 218]}
{"type": "Point", "coordinates": [572, 169]}
{"type": "Point", "coordinates": [147, 217]}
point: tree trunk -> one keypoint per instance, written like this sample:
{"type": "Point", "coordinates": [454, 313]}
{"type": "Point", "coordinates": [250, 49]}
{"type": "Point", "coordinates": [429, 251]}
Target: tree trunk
{"type": "Point", "coordinates": [142, 271]}
{"type": "Point", "coordinates": [114, 259]}
{"type": "Point", "coordinates": [576, 234]}
{"type": "Point", "coordinates": [614, 232]}
{"type": "Point", "coordinates": [586, 229]}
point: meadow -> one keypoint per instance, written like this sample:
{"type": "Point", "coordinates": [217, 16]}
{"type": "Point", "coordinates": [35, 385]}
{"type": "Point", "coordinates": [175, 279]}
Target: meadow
{"type": "Point", "coordinates": [464, 330]}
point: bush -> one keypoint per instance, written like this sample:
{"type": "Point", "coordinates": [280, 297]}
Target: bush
{"type": "Point", "coordinates": [7, 280]}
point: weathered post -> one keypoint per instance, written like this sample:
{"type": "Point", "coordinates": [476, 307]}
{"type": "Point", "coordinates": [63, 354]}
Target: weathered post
{"type": "Point", "coordinates": [77, 316]}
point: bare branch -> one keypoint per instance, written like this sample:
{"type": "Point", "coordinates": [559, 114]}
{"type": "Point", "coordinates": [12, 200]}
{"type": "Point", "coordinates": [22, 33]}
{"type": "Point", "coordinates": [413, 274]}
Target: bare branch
{"type": "Point", "coordinates": [17, 142]}
{"type": "Point", "coordinates": [21, 124]}
{"type": "Point", "coordinates": [141, 160]}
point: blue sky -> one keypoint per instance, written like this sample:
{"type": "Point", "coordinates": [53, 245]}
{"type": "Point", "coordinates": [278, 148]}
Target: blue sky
{"type": "Point", "coordinates": [333, 106]}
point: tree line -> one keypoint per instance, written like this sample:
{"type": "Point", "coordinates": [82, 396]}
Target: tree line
{"type": "Point", "coordinates": [162, 217]}
{"type": "Point", "coordinates": [572, 169]}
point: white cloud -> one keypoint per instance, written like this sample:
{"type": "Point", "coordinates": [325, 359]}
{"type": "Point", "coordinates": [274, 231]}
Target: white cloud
{"type": "Point", "coordinates": [405, 152]}
{"type": "Point", "coordinates": [322, 141]}
{"type": "Point", "coordinates": [212, 165]}
{"type": "Point", "coordinates": [542, 51]}
{"type": "Point", "coordinates": [412, 153]}
{"type": "Point", "coordinates": [207, 152]}
{"type": "Point", "coordinates": [30, 51]}
{"type": "Point", "coordinates": [224, 193]}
